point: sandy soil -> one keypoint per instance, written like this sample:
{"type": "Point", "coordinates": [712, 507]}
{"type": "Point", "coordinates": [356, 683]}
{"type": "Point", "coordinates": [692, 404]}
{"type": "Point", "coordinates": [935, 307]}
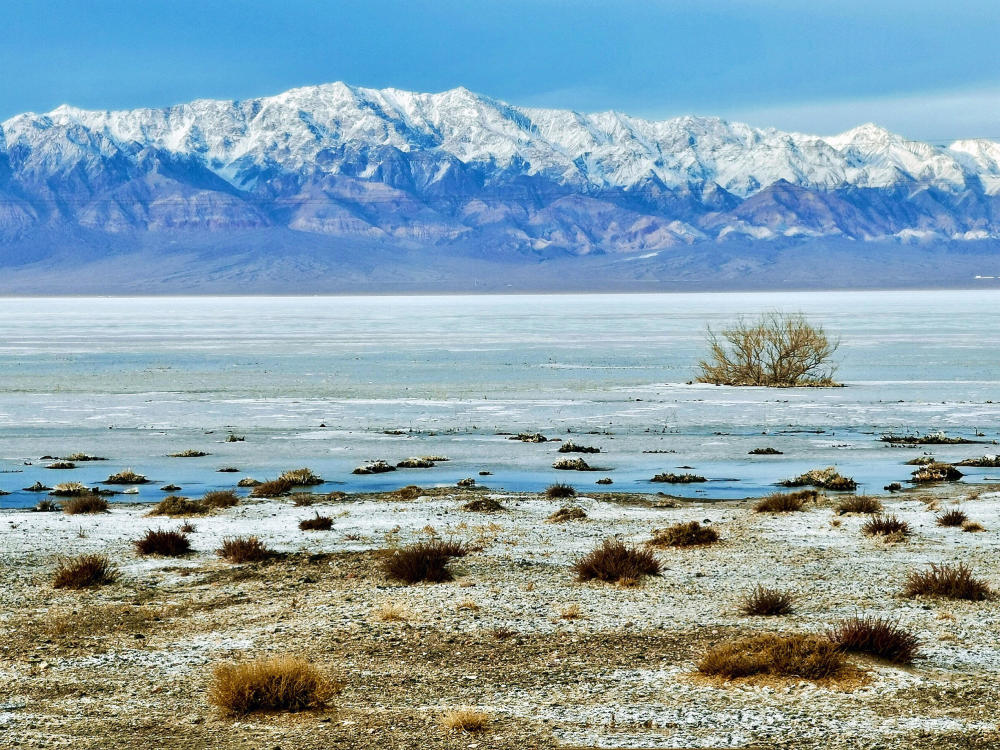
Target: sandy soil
{"type": "Point", "coordinates": [127, 665]}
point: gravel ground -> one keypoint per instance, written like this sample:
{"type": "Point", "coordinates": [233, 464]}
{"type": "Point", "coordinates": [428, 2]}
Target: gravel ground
{"type": "Point", "coordinates": [127, 665]}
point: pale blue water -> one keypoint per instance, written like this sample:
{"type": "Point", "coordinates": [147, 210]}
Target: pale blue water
{"type": "Point", "coordinates": [136, 378]}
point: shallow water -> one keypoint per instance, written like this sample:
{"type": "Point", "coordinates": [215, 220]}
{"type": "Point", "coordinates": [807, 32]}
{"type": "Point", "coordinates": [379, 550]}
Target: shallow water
{"type": "Point", "coordinates": [134, 379]}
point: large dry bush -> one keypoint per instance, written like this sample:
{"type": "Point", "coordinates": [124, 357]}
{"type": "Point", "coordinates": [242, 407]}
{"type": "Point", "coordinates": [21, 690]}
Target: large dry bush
{"type": "Point", "coordinates": [161, 542]}
{"type": "Point", "coordinates": [277, 684]}
{"type": "Point", "coordinates": [778, 350]}
{"type": "Point", "coordinates": [86, 571]}
{"type": "Point", "coordinates": [948, 582]}
{"type": "Point", "coordinates": [243, 549]}
{"type": "Point", "coordinates": [877, 636]}
{"type": "Point", "coordinates": [85, 504]}
{"type": "Point", "coordinates": [424, 561]}
{"type": "Point", "coordinates": [615, 561]}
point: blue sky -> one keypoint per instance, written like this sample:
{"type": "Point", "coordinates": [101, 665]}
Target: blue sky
{"type": "Point", "coordinates": [927, 69]}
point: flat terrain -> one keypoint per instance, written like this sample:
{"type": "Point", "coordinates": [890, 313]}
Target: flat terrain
{"type": "Point", "coordinates": [127, 665]}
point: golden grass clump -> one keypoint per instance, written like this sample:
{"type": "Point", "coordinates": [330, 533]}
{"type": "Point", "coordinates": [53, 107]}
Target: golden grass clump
{"type": "Point", "coordinates": [613, 561]}
{"type": "Point", "coordinates": [243, 549]}
{"type": "Point", "coordinates": [86, 571]}
{"type": "Point", "coordinates": [220, 499]}
{"type": "Point", "coordinates": [690, 534]}
{"type": "Point", "coordinates": [392, 611]}
{"type": "Point", "coordinates": [465, 720]}
{"type": "Point", "coordinates": [283, 683]}
{"type": "Point", "coordinates": [272, 488]}
{"type": "Point", "coordinates": [859, 504]}
{"type": "Point", "coordinates": [785, 502]}
{"type": "Point", "coordinates": [567, 513]}
{"type": "Point", "coordinates": [175, 505]}
{"type": "Point", "coordinates": [85, 504]}
{"type": "Point", "coordinates": [483, 505]}
{"type": "Point", "coordinates": [805, 656]}
{"type": "Point", "coordinates": [301, 478]}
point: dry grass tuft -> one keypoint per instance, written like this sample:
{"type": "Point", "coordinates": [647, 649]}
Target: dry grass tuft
{"type": "Point", "coordinates": [465, 720]}
{"type": "Point", "coordinates": [278, 684]}
{"type": "Point", "coordinates": [571, 612]}
{"type": "Point", "coordinates": [301, 478]}
{"type": "Point", "coordinates": [220, 499]}
{"type": "Point", "coordinates": [948, 582]}
{"type": "Point", "coordinates": [242, 549]}
{"type": "Point", "coordinates": [559, 491]}
{"type": "Point", "coordinates": [85, 504]}
{"type": "Point", "coordinates": [160, 542]}
{"type": "Point", "coordinates": [190, 453]}
{"type": "Point", "coordinates": [613, 560]}
{"type": "Point", "coordinates": [86, 571]}
{"type": "Point", "coordinates": [568, 513]}
{"type": "Point", "coordinates": [953, 517]}
{"type": "Point", "coordinates": [806, 656]}
{"type": "Point", "coordinates": [409, 492]}
{"type": "Point", "coordinates": [45, 506]}
{"type": "Point", "coordinates": [876, 636]}
{"type": "Point", "coordinates": [272, 488]}
{"type": "Point", "coordinates": [785, 502]}
{"type": "Point", "coordinates": [859, 504]}
{"type": "Point", "coordinates": [391, 611]}
{"type": "Point", "coordinates": [678, 478]}
{"type": "Point", "coordinates": [973, 526]}
{"type": "Point", "coordinates": [174, 505]}
{"type": "Point", "coordinates": [317, 523]}
{"type": "Point", "coordinates": [425, 561]}
{"type": "Point", "coordinates": [483, 505]}
{"type": "Point", "coordinates": [881, 525]}
{"type": "Point", "coordinates": [765, 602]}
{"type": "Point", "coordinates": [690, 534]}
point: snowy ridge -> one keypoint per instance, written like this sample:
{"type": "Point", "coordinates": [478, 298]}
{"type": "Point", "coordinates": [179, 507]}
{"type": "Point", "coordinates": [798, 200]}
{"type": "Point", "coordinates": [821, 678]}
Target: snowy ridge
{"type": "Point", "coordinates": [456, 166]}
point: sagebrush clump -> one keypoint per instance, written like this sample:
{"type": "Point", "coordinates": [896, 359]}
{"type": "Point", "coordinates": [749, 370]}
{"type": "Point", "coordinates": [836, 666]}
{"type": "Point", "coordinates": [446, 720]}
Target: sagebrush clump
{"type": "Point", "coordinates": [613, 561]}
{"type": "Point", "coordinates": [805, 656]}
{"type": "Point", "coordinates": [876, 636]}
{"type": "Point", "coordinates": [165, 543]}
{"type": "Point", "coordinates": [948, 582]}
{"type": "Point", "coordinates": [690, 534]}
{"type": "Point", "coordinates": [243, 549]}
{"type": "Point", "coordinates": [765, 602]}
{"type": "Point", "coordinates": [424, 561]}
{"type": "Point", "coordinates": [86, 571]}
{"type": "Point", "coordinates": [283, 683]}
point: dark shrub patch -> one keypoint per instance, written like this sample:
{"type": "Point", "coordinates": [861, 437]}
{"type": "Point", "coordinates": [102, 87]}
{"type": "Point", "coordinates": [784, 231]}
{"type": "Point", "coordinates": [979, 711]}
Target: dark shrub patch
{"type": "Point", "coordinates": [45, 506]}
{"type": "Point", "coordinates": [559, 491]}
{"type": "Point", "coordinates": [953, 517]}
{"type": "Point", "coordinates": [126, 477]}
{"type": "Point", "coordinates": [316, 523]}
{"type": "Point", "coordinates": [807, 656]}
{"type": "Point", "coordinates": [765, 602]}
{"type": "Point", "coordinates": [241, 549]}
{"type": "Point", "coordinates": [84, 572]}
{"type": "Point", "coordinates": [574, 464]}
{"type": "Point", "coordinates": [689, 534]}
{"type": "Point", "coordinates": [188, 454]}
{"type": "Point", "coordinates": [227, 469]}
{"type": "Point", "coordinates": [949, 582]}
{"type": "Point", "coordinates": [166, 543]}
{"type": "Point", "coordinates": [526, 437]}
{"type": "Point", "coordinates": [62, 465]}
{"type": "Point", "coordinates": [483, 505]}
{"type": "Point", "coordinates": [279, 684]}
{"type": "Point", "coordinates": [881, 525]}
{"type": "Point", "coordinates": [409, 492]}
{"type": "Point", "coordinates": [678, 478]}
{"type": "Point", "coordinates": [374, 467]}
{"type": "Point", "coordinates": [827, 479]}
{"type": "Point", "coordinates": [614, 561]}
{"type": "Point", "coordinates": [425, 561]}
{"type": "Point", "coordinates": [859, 504]}
{"type": "Point", "coordinates": [249, 482]}
{"type": "Point", "coordinates": [875, 636]}
{"type": "Point", "coordinates": [570, 447]}
{"type": "Point", "coordinates": [170, 488]}
{"type": "Point", "coordinates": [765, 452]}
{"type": "Point", "coordinates": [414, 463]}
{"type": "Point", "coordinates": [85, 504]}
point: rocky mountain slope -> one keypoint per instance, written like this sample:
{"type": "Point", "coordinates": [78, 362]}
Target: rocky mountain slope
{"type": "Point", "coordinates": [323, 179]}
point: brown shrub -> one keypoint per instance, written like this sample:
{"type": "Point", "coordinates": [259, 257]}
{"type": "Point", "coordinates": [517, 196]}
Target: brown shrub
{"type": "Point", "coordinates": [126, 477]}
{"type": "Point", "coordinates": [483, 505]}
{"type": "Point", "coordinates": [409, 492]}
{"type": "Point", "coordinates": [317, 523]}
{"type": "Point", "coordinates": [86, 571]}
{"type": "Point", "coordinates": [785, 502]}
{"type": "Point", "coordinates": [948, 582]}
{"type": "Point", "coordinates": [953, 517]}
{"type": "Point", "coordinates": [613, 561]}
{"type": "Point", "coordinates": [882, 525]}
{"type": "Point", "coordinates": [827, 479]}
{"type": "Point", "coordinates": [690, 534]}
{"type": "Point", "coordinates": [559, 491]}
{"type": "Point", "coordinates": [859, 504]}
{"type": "Point", "coordinates": [190, 453]}
{"type": "Point", "coordinates": [220, 499]}
{"type": "Point", "coordinates": [567, 513]}
{"type": "Point", "coordinates": [278, 684]}
{"type": "Point", "coordinates": [806, 656]}
{"type": "Point", "coordinates": [765, 602]}
{"type": "Point", "coordinates": [973, 526]}
{"type": "Point", "coordinates": [301, 478]}
{"type": "Point", "coordinates": [242, 549]}
{"type": "Point", "coordinates": [272, 488]}
{"type": "Point", "coordinates": [875, 636]}
{"type": "Point", "coordinates": [160, 542]}
{"type": "Point", "coordinates": [85, 504]}
{"type": "Point", "coordinates": [174, 505]}
{"type": "Point", "coordinates": [45, 506]}
{"type": "Point", "coordinates": [425, 561]}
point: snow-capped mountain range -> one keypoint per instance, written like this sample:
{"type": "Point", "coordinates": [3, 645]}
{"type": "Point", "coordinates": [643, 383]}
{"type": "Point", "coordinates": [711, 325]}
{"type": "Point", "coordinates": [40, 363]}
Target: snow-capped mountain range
{"type": "Point", "coordinates": [396, 169]}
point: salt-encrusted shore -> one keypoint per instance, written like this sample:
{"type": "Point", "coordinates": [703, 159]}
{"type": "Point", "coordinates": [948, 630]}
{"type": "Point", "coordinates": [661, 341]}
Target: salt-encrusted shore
{"type": "Point", "coordinates": [127, 665]}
